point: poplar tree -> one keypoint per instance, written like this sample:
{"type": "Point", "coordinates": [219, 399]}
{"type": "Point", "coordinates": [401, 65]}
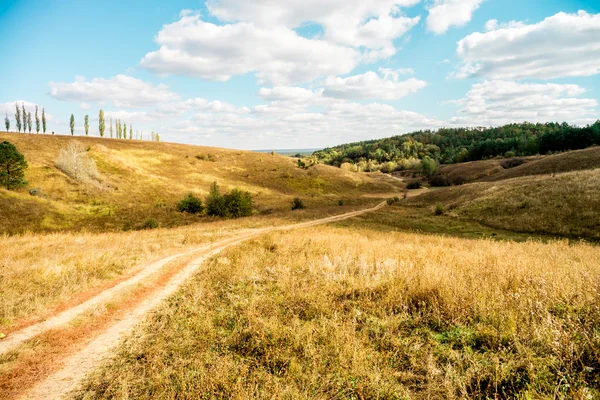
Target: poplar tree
{"type": "Point", "coordinates": [86, 124]}
{"type": "Point", "coordinates": [37, 120]}
{"type": "Point", "coordinates": [124, 131]}
{"type": "Point", "coordinates": [29, 121]}
{"type": "Point", "coordinates": [23, 117]}
{"type": "Point", "coordinates": [18, 117]}
{"type": "Point", "coordinates": [44, 120]}
{"type": "Point", "coordinates": [7, 123]}
{"type": "Point", "coordinates": [111, 132]}
{"type": "Point", "coordinates": [118, 129]}
{"type": "Point", "coordinates": [101, 123]}
{"type": "Point", "coordinates": [130, 132]}
{"type": "Point", "coordinates": [72, 124]}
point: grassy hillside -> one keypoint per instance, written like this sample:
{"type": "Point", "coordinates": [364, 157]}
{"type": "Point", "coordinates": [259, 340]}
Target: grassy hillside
{"type": "Point", "coordinates": [564, 204]}
{"type": "Point", "coordinates": [499, 169]}
{"type": "Point", "coordinates": [141, 180]}
{"type": "Point", "coordinates": [359, 314]}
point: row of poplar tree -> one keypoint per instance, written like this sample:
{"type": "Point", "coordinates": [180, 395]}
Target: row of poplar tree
{"type": "Point", "coordinates": [23, 119]}
{"type": "Point", "coordinates": [24, 122]}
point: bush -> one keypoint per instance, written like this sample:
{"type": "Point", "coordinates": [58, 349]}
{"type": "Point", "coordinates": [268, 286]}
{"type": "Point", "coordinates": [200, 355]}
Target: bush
{"type": "Point", "coordinates": [237, 203]}
{"type": "Point", "coordinates": [206, 157]}
{"type": "Point", "coordinates": [215, 203]}
{"type": "Point", "coordinates": [35, 191]}
{"type": "Point", "coordinates": [428, 167]}
{"type": "Point", "coordinates": [190, 204]}
{"type": "Point", "coordinates": [12, 166]}
{"type": "Point", "coordinates": [390, 201]}
{"type": "Point", "coordinates": [150, 223]}
{"type": "Point", "coordinates": [74, 161]}
{"type": "Point", "coordinates": [414, 185]}
{"type": "Point", "coordinates": [298, 204]}
{"type": "Point", "coordinates": [439, 180]}
{"type": "Point", "coordinates": [439, 209]}
{"type": "Point", "coordinates": [340, 202]}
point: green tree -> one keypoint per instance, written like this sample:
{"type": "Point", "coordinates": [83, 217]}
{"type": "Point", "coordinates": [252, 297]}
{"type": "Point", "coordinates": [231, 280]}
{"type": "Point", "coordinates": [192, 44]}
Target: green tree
{"type": "Point", "coordinates": [428, 167]}
{"type": "Point", "coordinates": [12, 166]}
{"type": "Point", "coordinates": [101, 123]}
{"type": "Point", "coordinates": [190, 204]}
{"type": "Point", "coordinates": [130, 132]}
{"type": "Point", "coordinates": [18, 117]}
{"type": "Point", "coordinates": [111, 131]}
{"type": "Point", "coordinates": [86, 124]}
{"type": "Point", "coordinates": [238, 203]}
{"type": "Point", "coordinates": [23, 117]}
{"type": "Point", "coordinates": [72, 124]}
{"type": "Point", "coordinates": [44, 120]}
{"type": "Point", "coordinates": [124, 131]}
{"type": "Point", "coordinates": [7, 123]}
{"type": "Point", "coordinates": [37, 120]}
{"type": "Point", "coordinates": [215, 202]}
{"type": "Point", "coordinates": [29, 121]}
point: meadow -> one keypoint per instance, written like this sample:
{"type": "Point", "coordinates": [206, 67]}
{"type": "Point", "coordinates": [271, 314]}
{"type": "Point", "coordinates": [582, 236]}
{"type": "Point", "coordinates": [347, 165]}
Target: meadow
{"type": "Point", "coordinates": [356, 313]}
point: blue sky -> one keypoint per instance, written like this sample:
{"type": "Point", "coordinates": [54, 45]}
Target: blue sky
{"type": "Point", "coordinates": [297, 74]}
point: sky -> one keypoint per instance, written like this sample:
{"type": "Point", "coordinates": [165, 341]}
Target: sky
{"type": "Point", "coordinates": [286, 74]}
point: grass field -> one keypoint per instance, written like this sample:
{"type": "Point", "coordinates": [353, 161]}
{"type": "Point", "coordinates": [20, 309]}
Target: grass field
{"type": "Point", "coordinates": [145, 180]}
{"type": "Point", "coordinates": [564, 204]}
{"type": "Point", "coordinates": [500, 169]}
{"type": "Point", "coordinates": [361, 314]}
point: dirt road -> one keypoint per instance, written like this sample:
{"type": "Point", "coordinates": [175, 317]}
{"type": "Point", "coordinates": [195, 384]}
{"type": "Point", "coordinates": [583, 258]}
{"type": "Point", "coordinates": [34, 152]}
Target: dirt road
{"type": "Point", "coordinates": [74, 368]}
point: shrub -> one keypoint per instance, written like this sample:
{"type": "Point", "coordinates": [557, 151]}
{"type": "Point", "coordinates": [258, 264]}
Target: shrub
{"type": "Point", "coordinates": [74, 161]}
{"type": "Point", "coordinates": [390, 201]}
{"type": "Point", "coordinates": [302, 164]}
{"type": "Point", "coordinates": [439, 209]}
{"type": "Point", "coordinates": [150, 223]}
{"type": "Point", "coordinates": [12, 166]}
{"type": "Point", "coordinates": [238, 203]}
{"type": "Point", "coordinates": [513, 162]}
{"type": "Point", "coordinates": [190, 204]}
{"type": "Point", "coordinates": [298, 204]}
{"type": "Point", "coordinates": [340, 202]}
{"type": "Point", "coordinates": [439, 180]}
{"type": "Point", "coordinates": [396, 199]}
{"type": "Point", "coordinates": [414, 185]}
{"type": "Point", "coordinates": [206, 157]}
{"type": "Point", "coordinates": [215, 203]}
{"type": "Point", "coordinates": [35, 191]}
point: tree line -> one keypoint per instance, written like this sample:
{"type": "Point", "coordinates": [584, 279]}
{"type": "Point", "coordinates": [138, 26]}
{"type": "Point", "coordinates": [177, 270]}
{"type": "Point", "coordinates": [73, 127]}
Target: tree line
{"type": "Point", "coordinates": [455, 145]}
{"type": "Point", "coordinates": [24, 123]}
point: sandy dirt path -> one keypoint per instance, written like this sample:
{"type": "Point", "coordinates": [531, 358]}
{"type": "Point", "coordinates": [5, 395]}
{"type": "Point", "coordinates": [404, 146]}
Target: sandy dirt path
{"type": "Point", "coordinates": [76, 367]}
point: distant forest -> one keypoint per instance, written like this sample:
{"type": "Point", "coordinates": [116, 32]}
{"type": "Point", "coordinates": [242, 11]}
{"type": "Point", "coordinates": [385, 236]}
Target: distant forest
{"type": "Point", "coordinates": [454, 145]}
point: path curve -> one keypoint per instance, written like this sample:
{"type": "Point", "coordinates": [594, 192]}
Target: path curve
{"type": "Point", "coordinates": [77, 366]}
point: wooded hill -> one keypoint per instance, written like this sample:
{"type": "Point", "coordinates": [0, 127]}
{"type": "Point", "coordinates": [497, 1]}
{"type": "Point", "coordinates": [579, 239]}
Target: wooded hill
{"type": "Point", "coordinates": [454, 145]}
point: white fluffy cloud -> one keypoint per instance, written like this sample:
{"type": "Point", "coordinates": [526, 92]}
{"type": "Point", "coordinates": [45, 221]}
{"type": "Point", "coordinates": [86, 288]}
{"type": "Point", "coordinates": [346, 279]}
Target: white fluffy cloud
{"type": "Point", "coordinates": [563, 45]}
{"type": "Point", "coordinates": [260, 37]}
{"type": "Point", "coordinates": [444, 14]}
{"type": "Point", "coordinates": [385, 86]}
{"type": "Point", "coordinates": [500, 102]}
{"type": "Point", "coordinates": [121, 90]}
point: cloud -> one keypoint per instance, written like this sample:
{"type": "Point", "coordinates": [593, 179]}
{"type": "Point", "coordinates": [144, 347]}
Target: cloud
{"type": "Point", "coordinates": [444, 14]}
{"type": "Point", "coordinates": [385, 86]}
{"type": "Point", "coordinates": [563, 45]}
{"type": "Point", "coordinates": [493, 25]}
{"type": "Point", "coordinates": [500, 102]}
{"type": "Point", "coordinates": [122, 90]}
{"type": "Point", "coordinates": [261, 37]}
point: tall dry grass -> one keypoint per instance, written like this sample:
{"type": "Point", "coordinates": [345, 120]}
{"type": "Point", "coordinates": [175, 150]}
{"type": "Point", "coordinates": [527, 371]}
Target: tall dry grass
{"type": "Point", "coordinates": [39, 272]}
{"type": "Point", "coordinates": [358, 314]}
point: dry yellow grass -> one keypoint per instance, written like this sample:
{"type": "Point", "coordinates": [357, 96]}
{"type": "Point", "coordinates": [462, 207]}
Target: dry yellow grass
{"type": "Point", "coordinates": [359, 314]}
{"type": "Point", "coordinates": [41, 272]}
{"type": "Point", "coordinates": [566, 204]}
{"type": "Point", "coordinates": [142, 180]}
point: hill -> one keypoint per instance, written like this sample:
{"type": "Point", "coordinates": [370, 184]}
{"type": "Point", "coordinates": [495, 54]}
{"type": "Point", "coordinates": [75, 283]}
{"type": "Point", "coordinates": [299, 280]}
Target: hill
{"type": "Point", "coordinates": [564, 204]}
{"type": "Point", "coordinates": [506, 168]}
{"type": "Point", "coordinates": [452, 145]}
{"type": "Point", "coordinates": [139, 180]}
